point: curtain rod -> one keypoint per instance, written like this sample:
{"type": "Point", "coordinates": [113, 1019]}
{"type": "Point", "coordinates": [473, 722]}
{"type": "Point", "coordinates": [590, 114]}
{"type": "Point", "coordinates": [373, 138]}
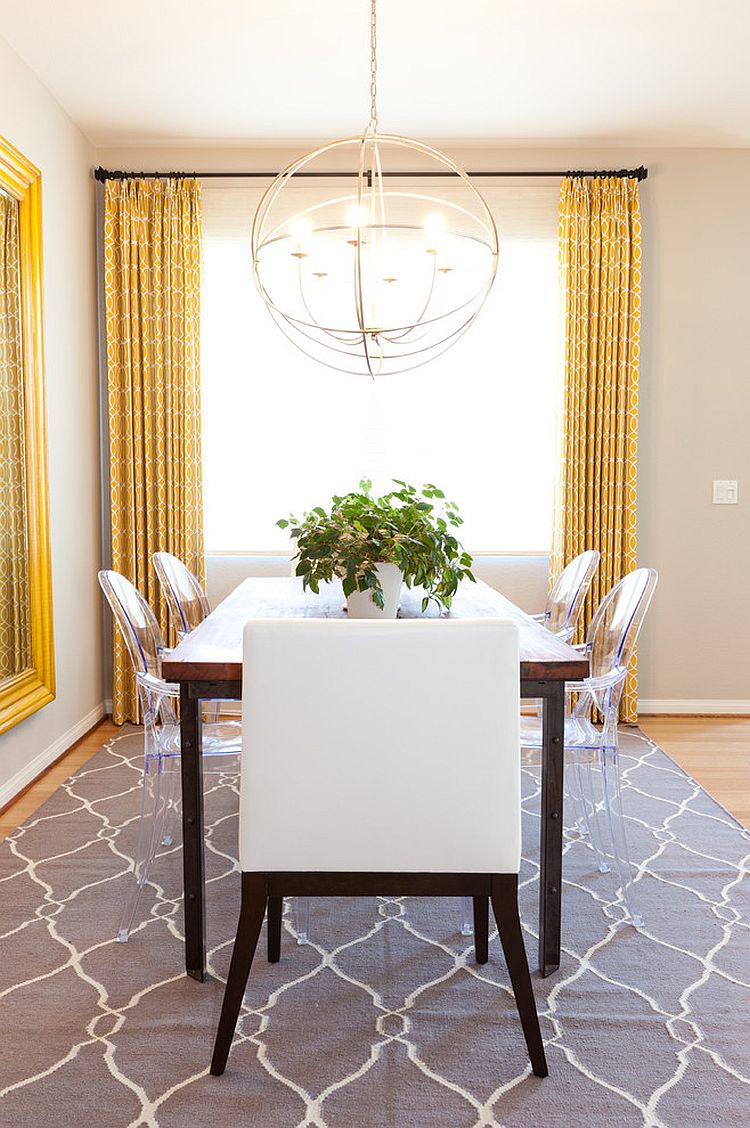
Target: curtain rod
{"type": "Point", "coordinates": [103, 174]}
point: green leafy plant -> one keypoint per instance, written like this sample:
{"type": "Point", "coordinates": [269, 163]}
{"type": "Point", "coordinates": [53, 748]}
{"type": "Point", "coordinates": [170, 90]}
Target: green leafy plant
{"type": "Point", "coordinates": [408, 527]}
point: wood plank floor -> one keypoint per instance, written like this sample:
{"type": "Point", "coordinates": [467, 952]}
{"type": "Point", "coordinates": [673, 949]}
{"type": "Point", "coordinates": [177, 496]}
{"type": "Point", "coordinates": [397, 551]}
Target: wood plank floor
{"type": "Point", "coordinates": [39, 791]}
{"type": "Point", "coordinates": [714, 750]}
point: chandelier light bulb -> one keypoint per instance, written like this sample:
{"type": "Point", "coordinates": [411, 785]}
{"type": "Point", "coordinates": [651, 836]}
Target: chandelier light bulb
{"type": "Point", "coordinates": [357, 215]}
{"type": "Point", "coordinates": [434, 224]}
{"type": "Point", "coordinates": [300, 229]}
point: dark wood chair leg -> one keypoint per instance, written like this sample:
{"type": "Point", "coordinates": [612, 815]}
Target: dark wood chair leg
{"type": "Point", "coordinates": [505, 907]}
{"type": "Point", "coordinates": [275, 909]}
{"type": "Point", "coordinates": [252, 911]}
{"type": "Point", "coordinates": [481, 929]}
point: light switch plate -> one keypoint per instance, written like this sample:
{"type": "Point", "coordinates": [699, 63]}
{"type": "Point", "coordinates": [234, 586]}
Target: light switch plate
{"type": "Point", "coordinates": [725, 492]}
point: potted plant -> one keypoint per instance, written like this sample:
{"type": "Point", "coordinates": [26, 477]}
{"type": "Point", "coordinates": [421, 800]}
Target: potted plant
{"type": "Point", "coordinates": [373, 544]}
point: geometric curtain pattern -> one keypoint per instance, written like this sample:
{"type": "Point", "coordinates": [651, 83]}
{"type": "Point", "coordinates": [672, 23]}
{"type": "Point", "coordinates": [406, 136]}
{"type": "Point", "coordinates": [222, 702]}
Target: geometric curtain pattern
{"type": "Point", "coordinates": [152, 285]}
{"type": "Point", "coordinates": [595, 503]}
{"type": "Point", "coordinates": [15, 636]}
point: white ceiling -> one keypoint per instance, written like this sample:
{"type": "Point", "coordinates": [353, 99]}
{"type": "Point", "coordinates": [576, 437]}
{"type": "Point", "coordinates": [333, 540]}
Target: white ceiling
{"type": "Point", "coordinates": [606, 72]}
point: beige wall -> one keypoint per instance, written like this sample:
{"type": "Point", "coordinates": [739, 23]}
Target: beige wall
{"type": "Point", "coordinates": [695, 415]}
{"type": "Point", "coordinates": [695, 398]}
{"type": "Point", "coordinates": [33, 121]}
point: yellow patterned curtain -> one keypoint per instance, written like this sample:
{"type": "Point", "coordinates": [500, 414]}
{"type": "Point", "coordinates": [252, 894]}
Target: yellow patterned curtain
{"type": "Point", "coordinates": [600, 264]}
{"type": "Point", "coordinates": [15, 637]}
{"type": "Point", "coordinates": [152, 277]}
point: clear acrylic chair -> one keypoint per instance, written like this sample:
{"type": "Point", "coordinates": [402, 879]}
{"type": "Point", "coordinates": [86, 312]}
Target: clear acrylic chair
{"type": "Point", "coordinates": [186, 599]}
{"type": "Point", "coordinates": [610, 644]}
{"type": "Point", "coordinates": [565, 601]}
{"type": "Point", "coordinates": [161, 730]}
{"type": "Point", "coordinates": [188, 607]}
{"type": "Point", "coordinates": [187, 604]}
{"type": "Point", "coordinates": [560, 616]}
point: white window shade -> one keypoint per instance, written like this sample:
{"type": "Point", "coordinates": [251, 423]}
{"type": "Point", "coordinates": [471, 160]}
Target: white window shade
{"type": "Point", "coordinates": [282, 433]}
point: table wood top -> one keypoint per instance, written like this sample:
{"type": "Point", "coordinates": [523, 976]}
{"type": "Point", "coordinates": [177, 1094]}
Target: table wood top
{"type": "Point", "coordinates": [213, 651]}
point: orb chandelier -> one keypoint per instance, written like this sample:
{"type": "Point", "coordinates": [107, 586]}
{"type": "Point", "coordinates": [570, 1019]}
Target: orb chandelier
{"type": "Point", "coordinates": [379, 276]}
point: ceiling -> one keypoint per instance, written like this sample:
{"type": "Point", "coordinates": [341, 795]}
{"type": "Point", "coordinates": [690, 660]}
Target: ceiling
{"type": "Point", "coordinates": [604, 72]}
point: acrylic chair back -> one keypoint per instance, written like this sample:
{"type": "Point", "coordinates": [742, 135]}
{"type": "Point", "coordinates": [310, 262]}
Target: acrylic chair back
{"type": "Point", "coordinates": [565, 601]}
{"type": "Point", "coordinates": [136, 621]}
{"type": "Point", "coordinates": [389, 746]}
{"type": "Point", "coordinates": [185, 597]}
{"type": "Point", "coordinates": [145, 644]}
{"type": "Point", "coordinates": [615, 627]}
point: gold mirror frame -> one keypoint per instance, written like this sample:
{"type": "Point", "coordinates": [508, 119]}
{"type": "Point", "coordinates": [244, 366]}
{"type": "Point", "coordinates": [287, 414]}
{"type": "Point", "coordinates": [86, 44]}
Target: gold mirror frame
{"type": "Point", "coordinates": [34, 687]}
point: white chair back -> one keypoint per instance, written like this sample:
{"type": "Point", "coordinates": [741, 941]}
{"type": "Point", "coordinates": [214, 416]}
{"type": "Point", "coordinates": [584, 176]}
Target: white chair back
{"type": "Point", "coordinates": [380, 747]}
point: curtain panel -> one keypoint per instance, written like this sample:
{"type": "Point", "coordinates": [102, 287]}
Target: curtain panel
{"type": "Point", "coordinates": [15, 628]}
{"type": "Point", "coordinates": [595, 504]}
{"type": "Point", "coordinates": [152, 288]}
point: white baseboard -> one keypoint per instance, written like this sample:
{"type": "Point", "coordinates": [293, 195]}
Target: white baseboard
{"type": "Point", "coordinates": [711, 706]}
{"type": "Point", "coordinates": [52, 752]}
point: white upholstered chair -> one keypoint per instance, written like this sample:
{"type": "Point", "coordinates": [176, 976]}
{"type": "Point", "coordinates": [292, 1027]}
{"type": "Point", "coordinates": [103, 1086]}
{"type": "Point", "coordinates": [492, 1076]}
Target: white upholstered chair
{"type": "Point", "coordinates": [392, 749]}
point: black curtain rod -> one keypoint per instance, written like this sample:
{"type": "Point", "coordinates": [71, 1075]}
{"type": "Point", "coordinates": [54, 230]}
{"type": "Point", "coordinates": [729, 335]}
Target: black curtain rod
{"type": "Point", "coordinates": [103, 174]}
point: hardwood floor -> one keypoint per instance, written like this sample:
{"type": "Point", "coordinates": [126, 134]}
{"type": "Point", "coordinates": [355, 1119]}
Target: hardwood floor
{"type": "Point", "coordinates": [39, 791]}
{"type": "Point", "coordinates": [714, 750]}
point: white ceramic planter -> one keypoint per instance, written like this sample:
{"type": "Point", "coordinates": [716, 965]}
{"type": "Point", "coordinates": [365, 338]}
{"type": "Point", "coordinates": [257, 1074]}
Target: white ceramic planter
{"type": "Point", "coordinates": [360, 605]}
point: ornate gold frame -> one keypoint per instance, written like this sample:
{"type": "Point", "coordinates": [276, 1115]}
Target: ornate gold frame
{"type": "Point", "coordinates": [33, 688]}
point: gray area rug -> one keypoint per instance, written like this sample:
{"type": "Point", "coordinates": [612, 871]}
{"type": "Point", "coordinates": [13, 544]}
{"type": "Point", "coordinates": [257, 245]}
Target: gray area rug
{"type": "Point", "coordinates": [383, 1019]}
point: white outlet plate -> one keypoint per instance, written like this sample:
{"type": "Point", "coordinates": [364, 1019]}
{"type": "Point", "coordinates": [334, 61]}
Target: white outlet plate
{"type": "Point", "coordinates": [725, 492]}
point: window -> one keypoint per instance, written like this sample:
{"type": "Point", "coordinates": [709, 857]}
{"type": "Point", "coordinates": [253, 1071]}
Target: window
{"type": "Point", "coordinates": [282, 433]}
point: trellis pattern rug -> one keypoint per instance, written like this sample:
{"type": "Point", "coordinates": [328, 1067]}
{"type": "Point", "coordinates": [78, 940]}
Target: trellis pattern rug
{"type": "Point", "coordinates": [383, 1019]}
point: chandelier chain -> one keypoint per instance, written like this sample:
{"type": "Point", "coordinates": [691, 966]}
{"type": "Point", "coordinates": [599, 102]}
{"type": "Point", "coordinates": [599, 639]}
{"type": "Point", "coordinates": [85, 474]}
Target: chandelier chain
{"type": "Point", "coordinates": [373, 123]}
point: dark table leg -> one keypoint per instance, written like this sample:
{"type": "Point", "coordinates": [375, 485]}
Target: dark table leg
{"type": "Point", "coordinates": [550, 876]}
{"type": "Point", "coordinates": [193, 866]}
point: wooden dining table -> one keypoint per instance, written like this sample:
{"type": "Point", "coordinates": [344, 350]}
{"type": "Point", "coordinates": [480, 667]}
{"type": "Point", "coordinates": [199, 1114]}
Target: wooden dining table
{"type": "Point", "coordinates": [207, 664]}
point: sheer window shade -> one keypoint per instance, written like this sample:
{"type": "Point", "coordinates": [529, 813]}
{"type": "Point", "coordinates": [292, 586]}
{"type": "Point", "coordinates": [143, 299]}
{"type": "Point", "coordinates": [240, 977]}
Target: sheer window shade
{"type": "Point", "coordinates": [283, 433]}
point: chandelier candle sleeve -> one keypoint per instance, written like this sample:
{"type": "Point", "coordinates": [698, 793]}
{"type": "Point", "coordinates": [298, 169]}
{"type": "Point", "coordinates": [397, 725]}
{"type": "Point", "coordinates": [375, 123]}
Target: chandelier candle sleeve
{"type": "Point", "coordinates": [382, 278]}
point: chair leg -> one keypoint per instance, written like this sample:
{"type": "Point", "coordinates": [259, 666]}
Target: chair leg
{"type": "Point", "coordinates": [574, 808]}
{"type": "Point", "coordinates": [481, 907]}
{"type": "Point", "coordinates": [171, 797]}
{"type": "Point", "coordinates": [252, 911]}
{"type": "Point", "coordinates": [150, 833]}
{"type": "Point", "coordinates": [301, 918]}
{"type": "Point", "coordinates": [584, 775]}
{"type": "Point", "coordinates": [466, 924]}
{"type": "Point", "coordinates": [275, 908]}
{"type": "Point", "coordinates": [618, 836]}
{"type": "Point", "coordinates": [505, 907]}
